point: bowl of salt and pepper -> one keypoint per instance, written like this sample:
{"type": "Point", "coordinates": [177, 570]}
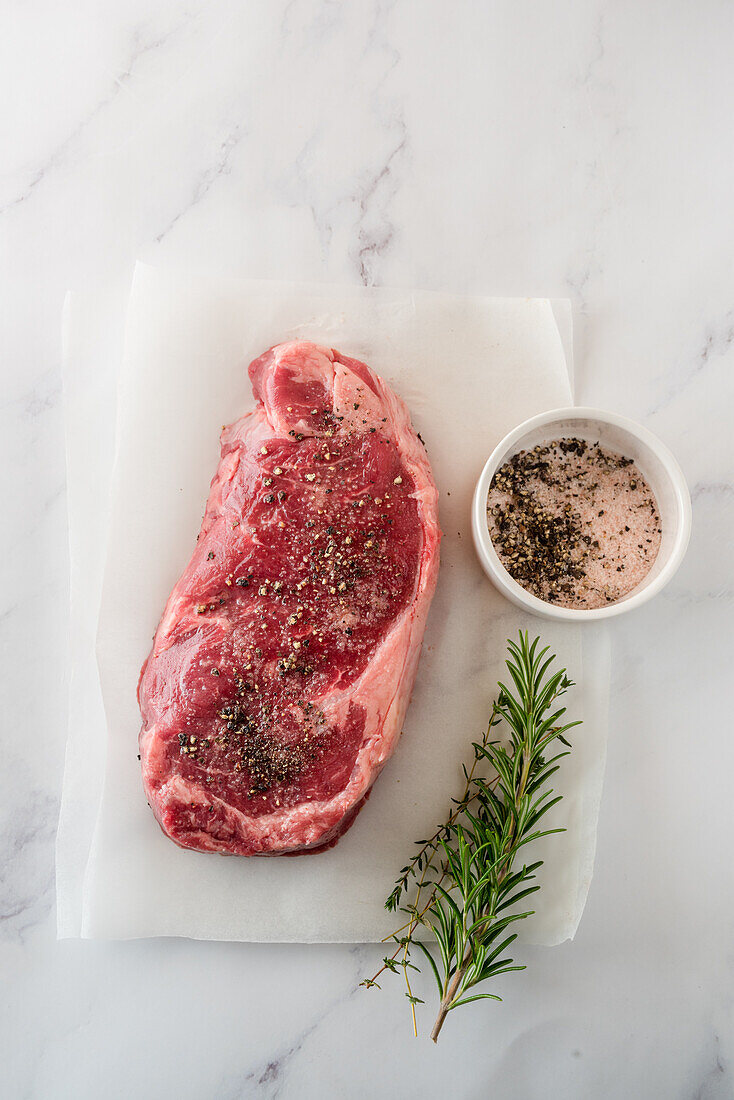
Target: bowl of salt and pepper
{"type": "Point", "coordinates": [580, 514]}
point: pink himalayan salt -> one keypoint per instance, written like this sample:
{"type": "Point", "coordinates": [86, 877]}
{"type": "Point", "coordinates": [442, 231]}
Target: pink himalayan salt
{"type": "Point", "coordinates": [575, 524]}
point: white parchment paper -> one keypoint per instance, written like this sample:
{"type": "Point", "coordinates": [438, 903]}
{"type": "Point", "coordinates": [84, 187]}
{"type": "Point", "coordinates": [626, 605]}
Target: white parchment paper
{"type": "Point", "coordinates": [469, 369]}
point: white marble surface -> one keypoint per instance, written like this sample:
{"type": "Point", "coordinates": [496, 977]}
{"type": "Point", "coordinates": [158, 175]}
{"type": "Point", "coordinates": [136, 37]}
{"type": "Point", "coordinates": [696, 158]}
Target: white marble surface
{"type": "Point", "coordinates": [582, 148]}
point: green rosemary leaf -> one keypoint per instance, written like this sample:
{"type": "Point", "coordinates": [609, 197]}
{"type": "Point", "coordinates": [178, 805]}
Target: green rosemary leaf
{"type": "Point", "coordinates": [422, 947]}
{"type": "Point", "coordinates": [496, 971]}
{"type": "Point", "coordinates": [515, 898]}
{"type": "Point", "coordinates": [476, 997]}
{"type": "Point", "coordinates": [537, 836]}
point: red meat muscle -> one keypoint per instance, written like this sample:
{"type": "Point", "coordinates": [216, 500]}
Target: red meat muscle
{"type": "Point", "coordinates": [283, 664]}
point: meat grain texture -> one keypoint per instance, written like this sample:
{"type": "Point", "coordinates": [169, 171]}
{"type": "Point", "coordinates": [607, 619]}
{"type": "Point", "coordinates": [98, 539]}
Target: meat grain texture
{"type": "Point", "coordinates": [283, 665]}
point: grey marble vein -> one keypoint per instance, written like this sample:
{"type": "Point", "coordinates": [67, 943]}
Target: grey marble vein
{"type": "Point", "coordinates": [140, 47]}
{"type": "Point", "coordinates": [222, 166]}
{"type": "Point", "coordinates": [374, 228]}
{"type": "Point", "coordinates": [717, 342]}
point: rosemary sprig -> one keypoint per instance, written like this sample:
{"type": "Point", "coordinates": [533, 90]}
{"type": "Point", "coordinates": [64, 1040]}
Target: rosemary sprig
{"type": "Point", "coordinates": [467, 878]}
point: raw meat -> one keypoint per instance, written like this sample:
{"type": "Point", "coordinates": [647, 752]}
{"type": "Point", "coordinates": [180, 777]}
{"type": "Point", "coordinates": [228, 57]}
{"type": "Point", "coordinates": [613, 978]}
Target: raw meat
{"type": "Point", "coordinates": [283, 664]}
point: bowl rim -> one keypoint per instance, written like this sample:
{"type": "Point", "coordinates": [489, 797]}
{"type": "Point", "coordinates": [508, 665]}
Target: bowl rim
{"type": "Point", "coordinates": [490, 559]}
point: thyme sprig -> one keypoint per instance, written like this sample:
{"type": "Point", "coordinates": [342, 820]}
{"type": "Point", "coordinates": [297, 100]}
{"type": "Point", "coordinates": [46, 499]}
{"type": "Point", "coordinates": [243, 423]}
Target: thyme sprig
{"type": "Point", "coordinates": [467, 879]}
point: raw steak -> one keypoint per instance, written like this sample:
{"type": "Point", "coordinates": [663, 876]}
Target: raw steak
{"type": "Point", "coordinates": [283, 664]}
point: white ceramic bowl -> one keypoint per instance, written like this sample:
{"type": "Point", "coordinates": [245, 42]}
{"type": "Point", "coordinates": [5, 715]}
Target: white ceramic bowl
{"type": "Point", "coordinates": [655, 462]}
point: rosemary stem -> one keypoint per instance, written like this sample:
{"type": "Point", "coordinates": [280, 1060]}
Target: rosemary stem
{"type": "Point", "coordinates": [448, 997]}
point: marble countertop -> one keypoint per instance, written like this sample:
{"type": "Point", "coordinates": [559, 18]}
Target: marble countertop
{"type": "Point", "coordinates": [579, 149]}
